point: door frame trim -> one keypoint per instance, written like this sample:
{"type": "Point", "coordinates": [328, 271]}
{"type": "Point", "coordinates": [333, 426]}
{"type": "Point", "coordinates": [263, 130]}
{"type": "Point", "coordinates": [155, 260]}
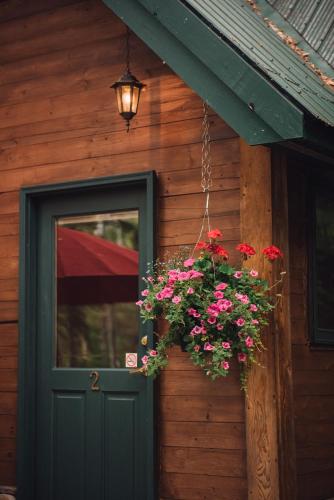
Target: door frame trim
{"type": "Point", "coordinates": [29, 199]}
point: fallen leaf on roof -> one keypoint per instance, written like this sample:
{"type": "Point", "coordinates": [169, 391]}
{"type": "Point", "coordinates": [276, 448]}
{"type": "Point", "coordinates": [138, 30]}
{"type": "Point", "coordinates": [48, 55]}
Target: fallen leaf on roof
{"type": "Point", "coordinates": [291, 42]}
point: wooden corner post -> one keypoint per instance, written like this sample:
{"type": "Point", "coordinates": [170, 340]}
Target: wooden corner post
{"type": "Point", "coordinates": [269, 412]}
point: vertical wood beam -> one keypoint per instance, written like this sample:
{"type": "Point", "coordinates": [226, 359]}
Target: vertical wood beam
{"type": "Point", "coordinates": [271, 453]}
{"type": "Point", "coordinates": [261, 408]}
{"type": "Point", "coordinates": [282, 328]}
{"type": "Point", "coordinates": [269, 404]}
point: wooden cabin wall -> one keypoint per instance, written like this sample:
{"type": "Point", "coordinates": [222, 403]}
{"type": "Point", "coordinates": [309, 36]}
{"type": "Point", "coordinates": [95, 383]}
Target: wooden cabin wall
{"type": "Point", "coordinates": [313, 368]}
{"type": "Point", "coordinates": [58, 122]}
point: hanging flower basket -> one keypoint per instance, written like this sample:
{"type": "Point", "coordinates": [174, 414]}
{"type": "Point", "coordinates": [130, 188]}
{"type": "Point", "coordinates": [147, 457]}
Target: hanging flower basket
{"type": "Point", "coordinates": [213, 309]}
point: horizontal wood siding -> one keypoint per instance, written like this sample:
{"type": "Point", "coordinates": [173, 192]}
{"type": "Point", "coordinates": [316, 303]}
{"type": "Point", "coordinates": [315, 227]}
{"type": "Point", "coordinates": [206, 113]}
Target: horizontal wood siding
{"type": "Point", "coordinates": [58, 122]}
{"type": "Point", "coordinates": [313, 368]}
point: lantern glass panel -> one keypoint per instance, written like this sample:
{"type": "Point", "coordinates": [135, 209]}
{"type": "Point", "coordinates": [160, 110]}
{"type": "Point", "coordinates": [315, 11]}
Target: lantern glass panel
{"type": "Point", "coordinates": [126, 91]}
{"type": "Point", "coordinates": [118, 91]}
{"type": "Point", "coordinates": [135, 99]}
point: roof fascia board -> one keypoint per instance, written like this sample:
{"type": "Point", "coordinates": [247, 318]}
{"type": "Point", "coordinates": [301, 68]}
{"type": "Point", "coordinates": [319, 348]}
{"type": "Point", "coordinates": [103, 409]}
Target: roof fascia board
{"type": "Point", "coordinates": [162, 26]}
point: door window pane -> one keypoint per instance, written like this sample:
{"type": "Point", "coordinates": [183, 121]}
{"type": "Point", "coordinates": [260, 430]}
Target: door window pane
{"type": "Point", "coordinates": [97, 286]}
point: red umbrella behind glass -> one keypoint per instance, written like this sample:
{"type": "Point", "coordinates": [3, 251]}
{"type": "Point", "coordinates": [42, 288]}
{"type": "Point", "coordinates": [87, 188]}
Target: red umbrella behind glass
{"type": "Point", "coordinates": [92, 270]}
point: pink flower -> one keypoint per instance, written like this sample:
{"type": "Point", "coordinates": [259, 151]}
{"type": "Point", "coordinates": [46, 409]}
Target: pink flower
{"type": "Point", "coordinates": [196, 315]}
{"type": "Point", "coordinates": [183, 276]}
{"type": "Point", "coordinates": [224, 305]}
{"type": "Point", "coordinates": [191, 311]}
{"type": "Point", "coordinates": [139, 303]}
{"type": "Point", "coordinates": [240, 322]}
{"type": "Point", "coordinates": [197, 348]}
{"type": "Point", "coordinates": [238, 274]}
{"type": "Point", "coordinates": [197, 330]}
{"type": "Point", "coordinates": [173, 273]}
{"type": "Point", "coordinates": [213, 310]}
{"type": "Point", "coordinates": [144, 360]}
{"type": "Point", "coordinates": [160, 279]}
{"type": "Point", "coordinates": [190, 291]}
{"type": "Point", "coordinates": [153, 353]}
{"type": "Point", "coordinates": [249, 341]}
{"type": "Point", "coordinates": [226, 345]}
{"type": "Point", "coordinates": [242, 357]}
{"type": "Point", "coordinates": [255, 322]}
{"type": "Point", "coordinates": [176, 299]}
{"type": "Point", "coordinates": [243, 298]}
{"type": "Point", "coordinates": [159, 296]}
{"type": "Point", "coordinates": [188, 262]}
{"type": "Point", "coordinates": [148, 306]}
{"type": "Point", "coordinates": [221, 286]}
{"type": "Point", "coordinates": [208, 346]}
{"type": "Point", "coordinates": [225, 365]}
{"type": "Point", "coordinates": [195, 274]}
{"type": "Point", "coordinates": [219, 326]}
{"type": "Point", "coordinates": [167, 292]}
{"type": "Point", "coordinates": [145, 293]}
{"type": "Point", "coordinates": [218, 294]}
{"type": "Point", "coordinates": [150, 279]}
{"type": "Point", "coordinates": [253, 307]}
{"type": "Point", "coordinates": [253, 273]}
{"type": "Point", "coordinates": [212, 320]}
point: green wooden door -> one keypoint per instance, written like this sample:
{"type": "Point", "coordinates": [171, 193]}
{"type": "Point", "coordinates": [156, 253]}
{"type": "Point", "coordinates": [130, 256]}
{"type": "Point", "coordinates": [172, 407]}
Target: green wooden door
{"type": "Point", "coordinates": [94, 419]}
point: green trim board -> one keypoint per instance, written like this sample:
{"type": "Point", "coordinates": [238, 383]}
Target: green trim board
{"type": "Point", "coordinates": [31, 200]}
{"type": "Point", "coordinates": [238, 92]}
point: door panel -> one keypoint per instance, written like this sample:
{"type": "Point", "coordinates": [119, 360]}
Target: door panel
{"type": "Point", "coordinates": [90, 443]}
{"type": "Point", "coordinates": [121, 429]}
{"type": "Point", "coordinates": [69, 444]}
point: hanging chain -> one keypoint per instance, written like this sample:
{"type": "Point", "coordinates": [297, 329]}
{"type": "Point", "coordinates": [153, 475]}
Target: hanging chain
{"type": "Point", "coordinates": [127, 49]}
{"type": "Point", "coordinates": [206, 181]}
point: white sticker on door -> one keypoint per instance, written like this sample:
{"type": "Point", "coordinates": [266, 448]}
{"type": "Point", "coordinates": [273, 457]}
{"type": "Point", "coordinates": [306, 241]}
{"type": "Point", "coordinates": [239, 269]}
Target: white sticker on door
{"type": "Point", "coordinates": [131, 360]}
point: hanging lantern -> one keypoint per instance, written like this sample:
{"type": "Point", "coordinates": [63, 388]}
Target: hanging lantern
{"type": "Point", "coordinates": [128, 90]}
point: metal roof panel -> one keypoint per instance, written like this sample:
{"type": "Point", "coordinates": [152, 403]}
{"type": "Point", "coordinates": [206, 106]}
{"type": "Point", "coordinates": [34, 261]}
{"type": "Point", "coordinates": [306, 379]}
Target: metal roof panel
{"type": "Point", "coordinates": [313, 20]}
{"type": "Point", "coordinates": [236, 22]}
{"type": "Point", "coordinates": [327, 48]}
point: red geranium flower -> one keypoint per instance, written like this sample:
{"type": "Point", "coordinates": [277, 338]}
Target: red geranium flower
{"type": "Point", "coordinates": [223, 253]}
{"type": "Point", "coordinates": [272, 253]}
{"type": "Point", "coordinates": [201, 245]}
{"type": "Point", "coordinates": [246, 249]}
{"type": "Point", "coordinates": [213, 247]}
{"type": "Point", "coordinates": [214, 234]}
{"type": "Point", "coordinates": [218, 250]}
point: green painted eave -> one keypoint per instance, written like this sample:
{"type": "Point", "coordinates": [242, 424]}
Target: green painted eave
{"type": "Point", "coordinates": [212, 67]}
